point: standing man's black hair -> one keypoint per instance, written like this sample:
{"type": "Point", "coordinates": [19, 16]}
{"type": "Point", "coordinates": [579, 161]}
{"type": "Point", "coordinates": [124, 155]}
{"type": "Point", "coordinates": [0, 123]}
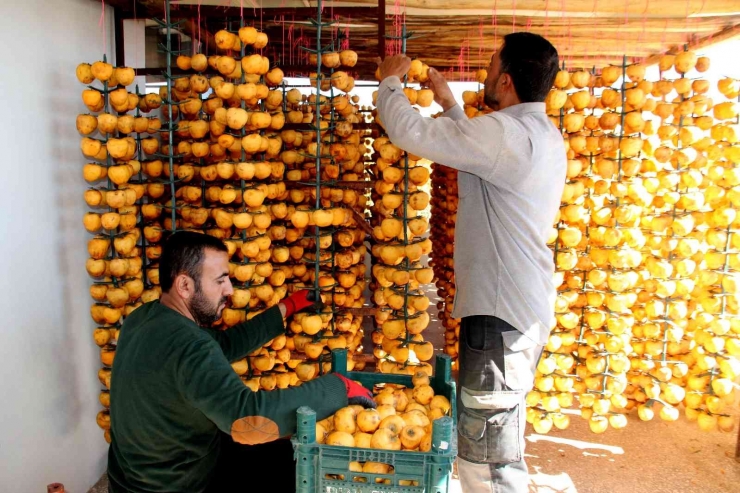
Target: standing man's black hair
{"type": "Point", "coordinates": [183, 253]}
{"type": "Point", "coordinates": [532, 62]}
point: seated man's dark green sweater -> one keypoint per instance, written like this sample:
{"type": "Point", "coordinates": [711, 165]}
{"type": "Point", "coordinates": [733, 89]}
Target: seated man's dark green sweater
{"type": "Point", "coordinates": [173, 388]}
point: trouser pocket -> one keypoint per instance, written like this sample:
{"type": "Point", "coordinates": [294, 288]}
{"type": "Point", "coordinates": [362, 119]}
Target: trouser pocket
{"type": "Point", "coordinates": [489, 426]}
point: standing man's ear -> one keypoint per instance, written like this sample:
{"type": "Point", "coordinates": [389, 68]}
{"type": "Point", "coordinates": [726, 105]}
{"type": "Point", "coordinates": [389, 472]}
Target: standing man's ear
{"type": "Point", "coordinates": [184, 286]}
{"type": "Point", "coordinates": [506, 80]}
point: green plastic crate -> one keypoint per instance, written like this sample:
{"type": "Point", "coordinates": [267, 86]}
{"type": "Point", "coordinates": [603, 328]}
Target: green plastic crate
{"type": "Point", "coordinates": [325, 469]}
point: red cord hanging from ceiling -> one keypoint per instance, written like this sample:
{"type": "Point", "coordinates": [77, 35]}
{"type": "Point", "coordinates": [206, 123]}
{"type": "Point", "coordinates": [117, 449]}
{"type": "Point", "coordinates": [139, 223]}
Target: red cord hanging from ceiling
{"type": "Point", "coordinates": [101, 24]}
{"type": "Point", "coordinates": [493, 23]}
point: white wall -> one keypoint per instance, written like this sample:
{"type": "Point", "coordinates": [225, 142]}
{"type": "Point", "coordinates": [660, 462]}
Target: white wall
{"type": "Point", "coordinates": [48, 361]}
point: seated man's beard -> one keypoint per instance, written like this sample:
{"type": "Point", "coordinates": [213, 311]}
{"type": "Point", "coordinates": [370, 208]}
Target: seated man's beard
{"type": "Point", "coordinates": [204, 313]}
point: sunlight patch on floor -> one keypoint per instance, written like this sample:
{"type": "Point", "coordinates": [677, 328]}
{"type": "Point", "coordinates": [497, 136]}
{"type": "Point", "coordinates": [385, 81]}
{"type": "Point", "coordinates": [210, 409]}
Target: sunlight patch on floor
{"type": "Point", "coordinates": [576, 443]}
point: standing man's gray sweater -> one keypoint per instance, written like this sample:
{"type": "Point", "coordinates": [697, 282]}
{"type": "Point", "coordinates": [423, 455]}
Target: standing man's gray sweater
{"type": "Point", "coordinates": [512, 171]}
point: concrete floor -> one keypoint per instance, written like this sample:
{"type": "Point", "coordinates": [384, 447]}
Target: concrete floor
{"type": "Point", "coordinates": [655, 457]}
{"type": "Point", "coordinates": [101, 486]}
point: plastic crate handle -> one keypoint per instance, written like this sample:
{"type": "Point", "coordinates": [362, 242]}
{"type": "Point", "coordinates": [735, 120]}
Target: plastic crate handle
{"type": "Point", "coordinates": [306, 432]}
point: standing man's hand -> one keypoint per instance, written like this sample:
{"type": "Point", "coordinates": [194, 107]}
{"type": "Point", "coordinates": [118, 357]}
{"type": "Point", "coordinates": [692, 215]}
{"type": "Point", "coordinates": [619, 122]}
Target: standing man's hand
{"type": "Point", "coordinates": [442, 92]}
{"type": "Point", "coordinates": [397, 65]}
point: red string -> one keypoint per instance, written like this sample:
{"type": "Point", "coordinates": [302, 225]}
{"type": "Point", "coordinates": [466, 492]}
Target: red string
{"type": "Point", "coordinates": [688, 35]}
{"type": "Point", "coordinates": [663, 36]}
{"type": "Point", "coordinates": [493, 23]}
{"type": "Point", "coordinates": [136, 39]}
{"type": "Point", "coordinates": [480, 41]}
{"type": "Point", "coordinates": [641, 38]}
{"type": "Point", "coordinates": [346, 33]}
{"type": "Point", "coordinates": [513, 17]}
{"type": "Point", "coordinates": [594, 11]}
{"type": "Point", "coordinates": [626, 23]}
{"type": "Point", "coordinates": [529, 23]}
{"type": "Point", "coordinates": [290, 42]}
{"type": "Point", "coordinates": [467, 59]}
{"type": "Point", "coordinates": [334, 28]}
{"type": "Point", "coordinates": [394, 46]}
{"type": "Point", "coordinates": [570, 43]}
{"type": "Point", "coordinates": [564, 56]}
{"type": "Point", "coordinates": [101, 23]}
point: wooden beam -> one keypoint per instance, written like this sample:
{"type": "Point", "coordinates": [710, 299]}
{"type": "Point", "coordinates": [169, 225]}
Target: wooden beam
{"type": "Point", "coordinates": [725, 34]}
{"type": "Point", "coordinates": [123, 5]}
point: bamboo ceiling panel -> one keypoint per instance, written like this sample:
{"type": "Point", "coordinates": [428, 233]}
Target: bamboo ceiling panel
{"type": "Point", "coordinates": [459, 37]}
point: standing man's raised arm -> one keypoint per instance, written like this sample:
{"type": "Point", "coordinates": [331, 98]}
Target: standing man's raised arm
{"type": "Point", "coordinates": [451, 141]}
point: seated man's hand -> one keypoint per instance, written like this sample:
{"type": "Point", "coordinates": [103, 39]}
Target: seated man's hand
{"type": "Point", "coordinates": [300, 300]}
{"type": "Point", "coordinates": [357, 394]}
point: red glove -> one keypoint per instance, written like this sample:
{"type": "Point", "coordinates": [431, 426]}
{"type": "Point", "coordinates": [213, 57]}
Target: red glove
{"type": "Point", "coordinates": [357, 394]}
{"type": "Point", "coordinates": [300, 300]}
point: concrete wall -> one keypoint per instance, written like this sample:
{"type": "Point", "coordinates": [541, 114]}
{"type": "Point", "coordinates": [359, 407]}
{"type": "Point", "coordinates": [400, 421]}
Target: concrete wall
{"type": "Point", "coordinates": [48, 361]}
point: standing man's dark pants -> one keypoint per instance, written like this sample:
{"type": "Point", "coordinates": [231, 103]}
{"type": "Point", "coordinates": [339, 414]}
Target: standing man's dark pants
{"type": "Point", "coordinates": [497, 366]}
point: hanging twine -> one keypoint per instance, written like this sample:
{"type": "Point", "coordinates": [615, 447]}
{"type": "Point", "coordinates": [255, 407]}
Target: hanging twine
{"type": "Point", "coordinates": [101, 23]}
{"type": "Point", "coordinates": [493, 23]}
{"type": "Point", "coordinates": [481, 42]}
{"type": "Point", "coordinates": [345, 41]}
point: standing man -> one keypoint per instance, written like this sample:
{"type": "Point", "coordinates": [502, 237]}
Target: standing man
{"type": "Point", "coordinates": [173, 389]}
{"type": "Point", "coordinates": [512, 166]}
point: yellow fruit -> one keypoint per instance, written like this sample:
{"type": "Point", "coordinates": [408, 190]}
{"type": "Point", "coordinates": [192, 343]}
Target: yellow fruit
{"type": "Point", "coordinates": [618, 421]}
{"type": "Point", "coordinates": [440, 402]}
{"type": "Point", "coordinates": [393, 423]}
{"type": "Point", "coordinates": [368, 420]}
{"type": "Point", "coordinates": [543, 424]}
{"type": "Point", "coordinates": [722, 386]}
{"type": "Point", "coordinates": [669, 413]}
{"type": "Point", "coordinates": [362, 440]}
{"type": "Point", "coordinates": [707, 422]}
{"type": "Point", "coordinates": [645, 413]}
{"type": "Point", "coordinates": [561, 421]}
{"type": "Point", "coordinates": [385, 410]}
{"type": "Point", "coordinates": [423, 394]}
{"type": "Point", "coordinates": [726, 423]}
{"type": "Point", "coordinates": [411, 437]}
{"type": "Point", "coordinates": [340, 438]}
{"type": "Point", "coordinates": [598, 424]}
{"type": "Point", "coordinates": [385, 439]}
{"type": "Point", "coordinates": [344, 420]}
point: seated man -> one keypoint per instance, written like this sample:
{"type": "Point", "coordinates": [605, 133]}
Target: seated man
{"type": "Point", "coordinates": [173, 389]}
